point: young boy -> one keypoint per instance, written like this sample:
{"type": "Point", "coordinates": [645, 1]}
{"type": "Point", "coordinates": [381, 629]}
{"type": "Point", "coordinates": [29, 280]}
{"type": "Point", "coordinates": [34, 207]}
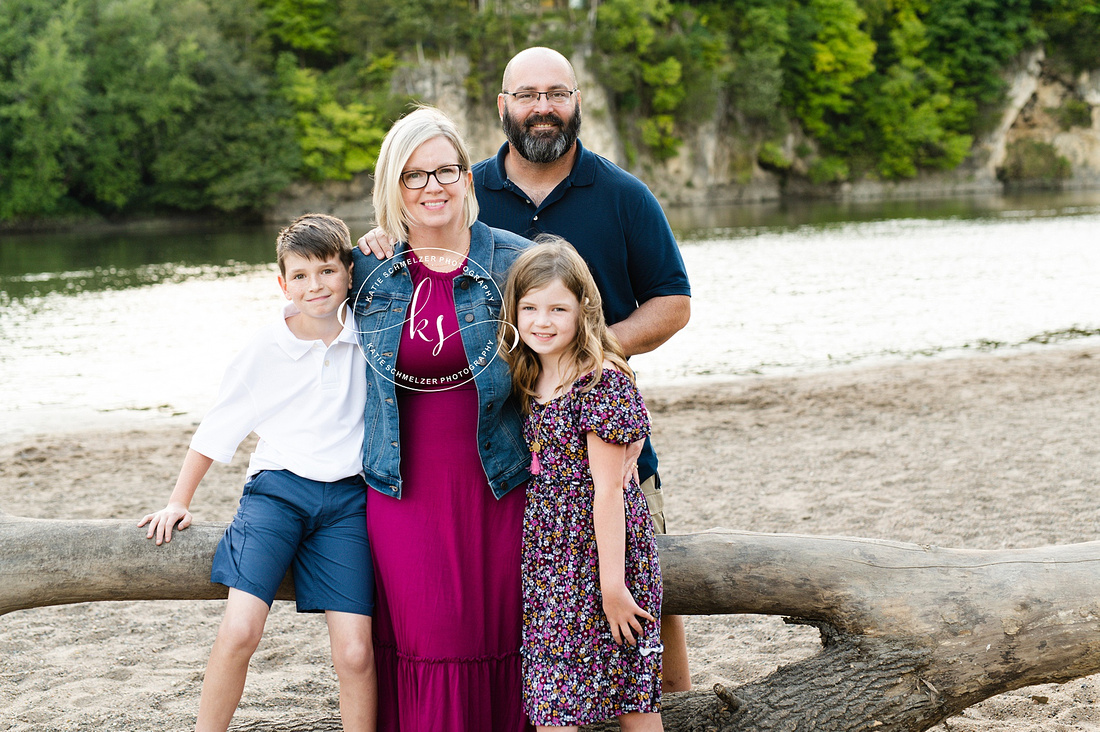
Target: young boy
{"type": "Point", "coordinates": [300, 385]}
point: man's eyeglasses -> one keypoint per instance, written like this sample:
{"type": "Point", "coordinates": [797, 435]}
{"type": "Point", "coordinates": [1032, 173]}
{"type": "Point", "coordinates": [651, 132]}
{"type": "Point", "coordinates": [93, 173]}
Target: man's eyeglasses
{"type": "Point", "coordinates": [444, 176]}
{"type": "Point", "coordinates": [557, 97]}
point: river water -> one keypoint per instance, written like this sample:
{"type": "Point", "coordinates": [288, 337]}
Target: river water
{"type": "Point", "coordinates": [115, 328]}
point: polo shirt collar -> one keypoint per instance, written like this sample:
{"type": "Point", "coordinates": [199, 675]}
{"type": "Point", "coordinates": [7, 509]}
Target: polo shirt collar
{"type": "Point", "coordinates": [582, 174]}
{"type": "Point", "coordinates": [494, 171]}
{"type": "Point", "coordinates": [584, 167]}
{"type": "Point", "coordinates": [296, 347]}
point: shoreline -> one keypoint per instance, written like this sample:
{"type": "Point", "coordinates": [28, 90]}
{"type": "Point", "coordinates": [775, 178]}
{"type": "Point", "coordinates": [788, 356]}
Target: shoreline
{"type": "Point", "coordinates": [357, 207]}
{"type": "Point", "coordinates": [985, 451]}
{"type": "Point", "coordinates": [49, 421]}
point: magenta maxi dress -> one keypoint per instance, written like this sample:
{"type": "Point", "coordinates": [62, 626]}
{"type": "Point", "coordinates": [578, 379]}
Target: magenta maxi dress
{"type": "Point", "coordinates": [448, 616]}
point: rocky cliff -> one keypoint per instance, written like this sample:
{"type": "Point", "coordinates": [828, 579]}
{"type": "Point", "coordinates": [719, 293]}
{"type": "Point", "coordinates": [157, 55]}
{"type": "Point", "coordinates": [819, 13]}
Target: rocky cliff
{"type": "Point", "coordinates": [713, 166]}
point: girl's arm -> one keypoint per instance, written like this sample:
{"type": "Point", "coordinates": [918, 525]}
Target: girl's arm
{"type": "Point", "coordinates": [176, 512]}
{"type": "Point", "coordinates": [609, 516]}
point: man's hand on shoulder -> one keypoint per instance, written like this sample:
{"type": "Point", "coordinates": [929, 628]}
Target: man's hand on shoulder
{"type": "Point", "coordinates": [376, 242]}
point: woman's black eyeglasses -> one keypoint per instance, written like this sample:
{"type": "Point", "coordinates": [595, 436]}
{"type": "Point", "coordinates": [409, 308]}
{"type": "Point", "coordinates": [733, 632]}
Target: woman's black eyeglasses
{"type": "Point", "coordinates": [444, 176]}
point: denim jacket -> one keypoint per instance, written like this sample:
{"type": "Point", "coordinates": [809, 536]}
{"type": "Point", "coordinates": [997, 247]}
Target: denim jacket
{"type": "Point", "coordinates": [381, 294]}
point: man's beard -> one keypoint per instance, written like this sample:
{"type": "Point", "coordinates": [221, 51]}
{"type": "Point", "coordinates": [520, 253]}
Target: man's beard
{"type": "Point", "coordinates": [542, 148]}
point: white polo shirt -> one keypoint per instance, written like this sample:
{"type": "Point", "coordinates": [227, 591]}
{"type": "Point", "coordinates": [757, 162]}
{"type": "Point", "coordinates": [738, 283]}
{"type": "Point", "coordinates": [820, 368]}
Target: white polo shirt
{"type": "Point", "coordinates": [303, 399]}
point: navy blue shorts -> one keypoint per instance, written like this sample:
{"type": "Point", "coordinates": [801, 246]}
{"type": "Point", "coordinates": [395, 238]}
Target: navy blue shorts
{"type": "Point", "coordinates": [317, 529]}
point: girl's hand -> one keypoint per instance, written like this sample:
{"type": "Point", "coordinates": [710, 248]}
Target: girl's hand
{"type": "Point", "coordinates": [161, 522]}
{"type": "Point", "coordinates": [622, 615]}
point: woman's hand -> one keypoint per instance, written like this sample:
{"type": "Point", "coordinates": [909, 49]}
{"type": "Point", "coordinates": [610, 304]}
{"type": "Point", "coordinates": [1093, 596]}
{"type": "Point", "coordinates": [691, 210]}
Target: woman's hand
{"type": "Point", "coordinates": [622, 614]}
{"type": "Point", "coordinates": [161, 522]}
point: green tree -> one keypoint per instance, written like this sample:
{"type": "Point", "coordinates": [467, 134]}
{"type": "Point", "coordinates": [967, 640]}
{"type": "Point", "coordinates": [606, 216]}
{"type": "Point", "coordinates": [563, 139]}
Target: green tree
{"type": "Point", "coordinates": [1072, 28]}
{"type": "Point", "coordinates": [125, 106]}
{"type": "Point", "coordinates": [373, 27]}
{"type": "Point", "coordinates": [42, 104]}
{"type": "Point", "coordinates": [243, 25]}
{"type": "Point", "coordinates": [306, 26]}
{"type": "Point", "coordinates": [140, 82]}
{"type": "Point", "coordinates": [760, 38]}
{"type": "Point", "coordinates": [234, 148]}
{"type": "Point", "coordinates": [971, 41]}
{"type": "Point", "coordinates": [908, 117]}
{"type": "Point", "coordinates": [655, 57]}
{"type": "Point", "coordinates": [336, 140]}
{"type": "Point", "coordinates": [493, 38]}
{"type": "Point", "coordinates": [827, 54]}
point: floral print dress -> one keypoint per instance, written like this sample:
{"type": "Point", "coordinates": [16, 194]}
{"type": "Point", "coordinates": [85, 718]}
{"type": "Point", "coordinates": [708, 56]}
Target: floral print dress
{"type": "Point", "coordinates": [573, 671]}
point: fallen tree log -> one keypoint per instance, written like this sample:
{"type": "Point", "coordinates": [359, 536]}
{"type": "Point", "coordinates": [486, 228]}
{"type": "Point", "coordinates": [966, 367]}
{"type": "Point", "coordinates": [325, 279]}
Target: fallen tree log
{"type": "Point", "coordinates": [55, 562]}
{"type": "Point", "coordinates": [911, 635]}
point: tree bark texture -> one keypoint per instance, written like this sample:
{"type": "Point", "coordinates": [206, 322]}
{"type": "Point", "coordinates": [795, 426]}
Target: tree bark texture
{"type": "Point", "coordinates": [911, 635]}
{"type": "Point", "coordinates": [51, 562]}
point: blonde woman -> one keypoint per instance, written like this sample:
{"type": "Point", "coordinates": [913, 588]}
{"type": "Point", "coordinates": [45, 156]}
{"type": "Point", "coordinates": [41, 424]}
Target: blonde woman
{"type": "Point", "coordinates": [443, 449]}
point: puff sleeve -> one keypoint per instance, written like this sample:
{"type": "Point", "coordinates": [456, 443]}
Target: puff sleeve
{"type": "Point", "coordinates": [614, 410]}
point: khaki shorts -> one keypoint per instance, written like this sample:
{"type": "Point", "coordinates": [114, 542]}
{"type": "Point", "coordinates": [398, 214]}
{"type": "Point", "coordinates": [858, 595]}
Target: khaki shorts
{"type": "Point", "coordinates": [651, 489]}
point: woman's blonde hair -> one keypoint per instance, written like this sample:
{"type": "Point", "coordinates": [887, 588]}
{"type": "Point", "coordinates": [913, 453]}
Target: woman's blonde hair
{"type": "Point", "coordinates": [407, 134]}
{"type": "Point", "coordinates": [552, 258]}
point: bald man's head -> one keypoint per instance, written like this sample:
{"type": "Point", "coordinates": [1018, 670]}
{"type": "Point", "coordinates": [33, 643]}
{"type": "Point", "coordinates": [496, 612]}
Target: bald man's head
{"type": "Point", "coordinates": [533, 59]}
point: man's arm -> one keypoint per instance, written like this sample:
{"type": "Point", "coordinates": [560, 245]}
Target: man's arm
{"type": "Point", "coordinates": [652, 323]}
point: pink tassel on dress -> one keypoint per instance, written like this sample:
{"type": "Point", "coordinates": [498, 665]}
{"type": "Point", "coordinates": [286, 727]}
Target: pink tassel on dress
{"type": "Point", "coordinates": [536, 468]}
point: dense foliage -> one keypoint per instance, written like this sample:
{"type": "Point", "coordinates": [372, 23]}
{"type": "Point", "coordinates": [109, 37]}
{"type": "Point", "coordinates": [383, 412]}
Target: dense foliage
{"type": "Point", "coordinates": [122, 107]}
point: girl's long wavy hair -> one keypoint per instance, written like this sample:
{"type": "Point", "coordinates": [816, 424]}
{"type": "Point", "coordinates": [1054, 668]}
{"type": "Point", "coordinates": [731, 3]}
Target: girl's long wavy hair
{"type": "Point", "coordinates": [553, 258]}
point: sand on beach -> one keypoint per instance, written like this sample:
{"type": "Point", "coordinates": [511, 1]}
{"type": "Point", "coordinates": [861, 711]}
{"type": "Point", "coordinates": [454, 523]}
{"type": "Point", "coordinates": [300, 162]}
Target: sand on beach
{"type": "Point", "coordinates": [982, 452]}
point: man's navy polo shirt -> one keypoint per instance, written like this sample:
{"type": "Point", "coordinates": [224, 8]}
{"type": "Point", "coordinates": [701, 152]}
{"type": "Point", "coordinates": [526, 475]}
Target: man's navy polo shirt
{"type": "Point", "coordinates": [611, 218]}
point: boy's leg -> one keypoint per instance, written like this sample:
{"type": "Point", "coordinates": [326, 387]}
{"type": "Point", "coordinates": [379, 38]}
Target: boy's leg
{"type": "Point", "coordinates": [353, 656]}
{"type": "Point", "coordinates": [333, 572]}
{"type": "Point", "coordinates": [252, 558]}
{"type": "Point", "coordinates": [239, 634]}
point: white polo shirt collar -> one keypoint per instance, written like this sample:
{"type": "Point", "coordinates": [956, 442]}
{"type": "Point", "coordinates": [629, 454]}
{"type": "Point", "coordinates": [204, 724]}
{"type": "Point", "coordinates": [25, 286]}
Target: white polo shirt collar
{"type": "Point", "coordinates": [295, 347]}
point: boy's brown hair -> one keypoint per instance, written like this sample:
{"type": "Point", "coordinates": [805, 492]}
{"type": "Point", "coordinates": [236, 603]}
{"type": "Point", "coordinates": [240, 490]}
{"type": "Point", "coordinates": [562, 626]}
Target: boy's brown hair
{"type": "Point", "coordinates": [314, 236]}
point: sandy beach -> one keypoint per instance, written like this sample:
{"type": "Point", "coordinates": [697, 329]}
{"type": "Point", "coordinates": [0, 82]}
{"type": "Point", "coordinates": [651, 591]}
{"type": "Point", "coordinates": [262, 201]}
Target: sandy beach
{"type": "Point", "coordinates": [986, 451]}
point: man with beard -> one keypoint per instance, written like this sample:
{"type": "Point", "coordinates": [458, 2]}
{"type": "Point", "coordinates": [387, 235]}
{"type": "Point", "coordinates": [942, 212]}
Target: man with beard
{"type": "Point", "coordinates": [544, 181]}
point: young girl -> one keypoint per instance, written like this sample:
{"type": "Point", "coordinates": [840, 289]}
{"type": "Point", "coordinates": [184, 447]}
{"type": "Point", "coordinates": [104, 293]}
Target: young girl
{"type": "Point", "coordinates": [591, 579]}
